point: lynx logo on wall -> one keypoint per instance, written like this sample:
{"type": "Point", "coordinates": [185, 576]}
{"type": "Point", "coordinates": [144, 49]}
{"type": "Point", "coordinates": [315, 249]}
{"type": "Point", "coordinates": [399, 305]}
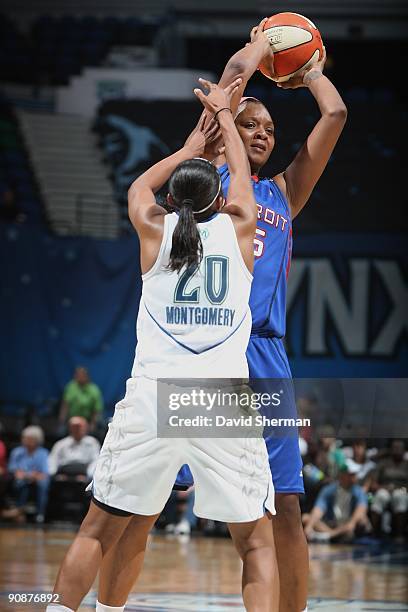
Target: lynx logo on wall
{"type": "Point", "coordinates": [131, 146]}
{"type": "Point", "coordinates": [348, 306]}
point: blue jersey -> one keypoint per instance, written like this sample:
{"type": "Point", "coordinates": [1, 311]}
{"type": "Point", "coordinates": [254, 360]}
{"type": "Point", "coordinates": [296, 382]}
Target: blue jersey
{"type": "Point", "coordinates": [273, 250]}
{"type": "Point", "coordinates": [266, 353]}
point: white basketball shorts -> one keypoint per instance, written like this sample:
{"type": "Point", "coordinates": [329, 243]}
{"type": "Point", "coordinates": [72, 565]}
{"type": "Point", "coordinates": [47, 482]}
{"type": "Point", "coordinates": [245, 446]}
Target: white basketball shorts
{"type": "Point", "coordinates": [136, 470]}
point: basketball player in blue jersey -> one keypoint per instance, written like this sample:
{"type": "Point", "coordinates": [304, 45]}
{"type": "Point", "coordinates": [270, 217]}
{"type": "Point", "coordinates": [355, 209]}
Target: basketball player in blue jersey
{"type": "Point", "coordinates": [279, 201]}
{"type": "Point", "coordinates": [198, 258]}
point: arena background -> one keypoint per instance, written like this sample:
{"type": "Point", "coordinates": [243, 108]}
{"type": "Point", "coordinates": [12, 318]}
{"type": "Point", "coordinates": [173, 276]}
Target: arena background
{"type": "Point", "coordinates": [92, 93]}
{"type": "Point", "coordinates": [87, 106]}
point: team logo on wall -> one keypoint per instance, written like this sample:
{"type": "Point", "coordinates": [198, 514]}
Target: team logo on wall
{"type": "Point", "coordinates": [136, 134]}
{"type": "Point", "coordinates": [129, 147]}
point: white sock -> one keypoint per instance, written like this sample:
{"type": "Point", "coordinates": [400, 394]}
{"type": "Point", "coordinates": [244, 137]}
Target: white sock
{"type": "Point", "coordinates": [104, 608]}
{"type": "Point", "coordinates": [58, 608]}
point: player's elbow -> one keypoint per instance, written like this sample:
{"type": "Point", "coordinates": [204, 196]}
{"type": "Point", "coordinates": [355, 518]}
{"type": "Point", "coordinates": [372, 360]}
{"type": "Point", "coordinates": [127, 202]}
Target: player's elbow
{"type": "Point", "coordinates": [132, 190]}
{"type": "Point", "coordinates": [339, 112]}
{"type": "Point", "coordinates": [132, 199]}
{"type": "Point", "coordinates": [236, 68]}
{"type": "Point", "coordinates": [133, 193]}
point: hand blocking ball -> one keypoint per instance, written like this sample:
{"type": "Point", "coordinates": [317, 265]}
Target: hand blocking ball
{"type": "Point", "coordinates": [296, 44]}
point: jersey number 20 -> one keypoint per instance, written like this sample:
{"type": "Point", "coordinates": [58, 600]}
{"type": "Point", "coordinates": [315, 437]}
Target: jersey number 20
{"type": "Point", "coordinates": [216, 274]}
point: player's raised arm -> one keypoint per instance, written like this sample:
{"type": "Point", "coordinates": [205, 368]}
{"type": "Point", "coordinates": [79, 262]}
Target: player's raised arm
{"type": "Point", "coordinates": [301, 176]}
{"type": "Point", "coordinates": [145, 214]}
{"type": "Point", "coordinates": [218, 103]}
{"type": "Point", "coordinates": [245, 62]}
{"type": "Point", "coordinates": [240, 205]}
{"type": "Point", "coordinates": [242, 65]}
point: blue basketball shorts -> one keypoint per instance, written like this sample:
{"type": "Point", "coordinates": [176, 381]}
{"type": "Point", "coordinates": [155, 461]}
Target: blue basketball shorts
{"type": "Point", "coordinates": [268, 362]}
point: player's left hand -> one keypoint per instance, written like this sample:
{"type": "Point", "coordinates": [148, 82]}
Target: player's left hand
{"type": "Point", "coordinates": [201, 136]}
{"type": "Point", "coordinates": [217, 98]}
{"type": "Point", "coordinates": [300, 80]}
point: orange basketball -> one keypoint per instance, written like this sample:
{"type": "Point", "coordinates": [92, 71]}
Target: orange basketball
{"type": "Point", "coordinates": [296, 44]}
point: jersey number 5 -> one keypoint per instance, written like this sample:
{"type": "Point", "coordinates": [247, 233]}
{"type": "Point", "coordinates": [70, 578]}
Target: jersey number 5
{"type": "Point", "coordinates": [258, 242]}
{"type": "Point", "coordinates": [216, 275]}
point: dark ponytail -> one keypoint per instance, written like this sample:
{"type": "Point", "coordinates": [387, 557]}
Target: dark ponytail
{"type": "Point", "coordinates": [193, 186]}
{"type": "Point", "coordinates": [186, 248]}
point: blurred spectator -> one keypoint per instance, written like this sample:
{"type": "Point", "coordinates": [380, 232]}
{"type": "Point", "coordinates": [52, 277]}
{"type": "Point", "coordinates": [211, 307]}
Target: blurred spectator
{"type": "Point", "coordinates": [340, 509]}
{"type": "Point", "coordinates": [358, 452]}
{"type": "Point", "coordinates": [390, 481]}
{"type": "Point", "coordinates": [308, 408]}
{"type": "Point", "coordinates": [329, 457]}
{"type": "Point", "coordinates": [72, 462]}
{"type": "Point", "coordinates": [181, 523]}
{"type": "Point", "coordinates": [303, 446]}
{"type": "Point", "coordinates": [29, 466]}
{"type": "Point", "coordinates": [313, 477]}
{"type": "Point", "coordinates": [81, 398]}
{"type": "Point", "coordinates": [76, 455]}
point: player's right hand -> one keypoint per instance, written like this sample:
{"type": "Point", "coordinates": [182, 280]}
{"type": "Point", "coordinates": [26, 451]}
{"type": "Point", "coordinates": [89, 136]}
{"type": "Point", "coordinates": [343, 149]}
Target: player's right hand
{"type": "Point", "coordinates": [257, 35]}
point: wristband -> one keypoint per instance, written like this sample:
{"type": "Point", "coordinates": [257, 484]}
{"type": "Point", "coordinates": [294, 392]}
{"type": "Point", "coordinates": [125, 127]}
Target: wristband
{"type": "Point", "coordinates": [312, 75]}
{"type": "Point", "coordinates": [222, 109]}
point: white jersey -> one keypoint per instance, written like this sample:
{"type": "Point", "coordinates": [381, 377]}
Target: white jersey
{"type": "Point", "coordinates": [196, 325]}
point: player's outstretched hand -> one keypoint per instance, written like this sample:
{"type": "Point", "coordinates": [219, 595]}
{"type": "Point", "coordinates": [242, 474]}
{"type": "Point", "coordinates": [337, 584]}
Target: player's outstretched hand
{"type": "Point", "coordinates": [257, 36]}
{"type": "Point", "coordinates": [216, 98]}
{"type": "Point", "coordinates": [201, 136]}
{"type": "Point", "coordinates": [304, 78]}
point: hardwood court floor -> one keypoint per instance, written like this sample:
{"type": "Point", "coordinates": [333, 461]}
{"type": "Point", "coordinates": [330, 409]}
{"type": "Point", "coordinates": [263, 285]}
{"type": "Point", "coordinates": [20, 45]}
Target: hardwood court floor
{"type": "Point", "coordinates": [202, 574]}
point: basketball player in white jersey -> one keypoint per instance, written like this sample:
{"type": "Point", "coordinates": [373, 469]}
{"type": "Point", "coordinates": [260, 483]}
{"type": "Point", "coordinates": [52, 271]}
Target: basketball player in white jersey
{"type": "Point", "coordinates": [194, 321]}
